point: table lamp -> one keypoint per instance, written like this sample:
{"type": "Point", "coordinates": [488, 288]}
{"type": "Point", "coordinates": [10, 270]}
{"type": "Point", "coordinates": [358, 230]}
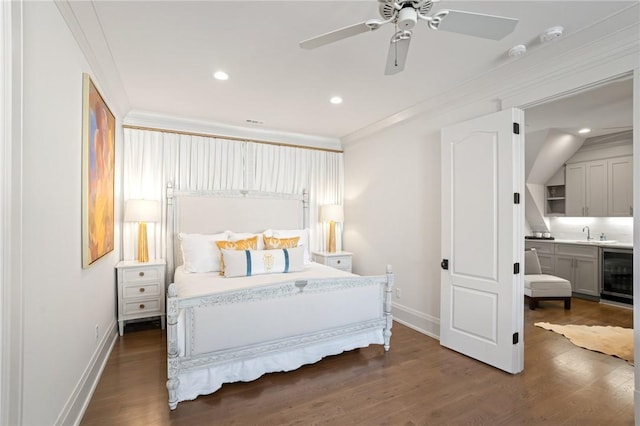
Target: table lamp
{"type": "Point", "coordinates": [332, 213]}
{"type": "Point", "coordinates": [142, 211]}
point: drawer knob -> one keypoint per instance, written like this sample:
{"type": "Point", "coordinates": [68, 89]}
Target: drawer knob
{"type": "Point", "coordinates": [141, 290]}
{"type": "Point", "coordinates": [141, 273]}
{"type": "Point", "coordinates": [142, 306]}
{"type": "Point", "coordinates": [339, 262]}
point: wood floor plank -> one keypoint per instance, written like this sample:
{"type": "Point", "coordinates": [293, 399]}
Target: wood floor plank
{"type": "Point", "coordinates": [417, 383]}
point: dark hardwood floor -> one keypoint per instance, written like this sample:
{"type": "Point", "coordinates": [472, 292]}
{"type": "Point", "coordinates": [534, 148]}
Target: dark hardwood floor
{"type": "Point", "coordinates": [417, 383]}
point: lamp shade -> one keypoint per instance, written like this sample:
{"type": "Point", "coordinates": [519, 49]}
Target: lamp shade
{"type": "Point", "coordinates": [142, 211]}
{"type": "Point", "coordinates": [331, 213]}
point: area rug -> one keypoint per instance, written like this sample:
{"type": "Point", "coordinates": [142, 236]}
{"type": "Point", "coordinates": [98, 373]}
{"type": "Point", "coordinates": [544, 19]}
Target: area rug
{"type": "Point", "coordinates": [616, 341]}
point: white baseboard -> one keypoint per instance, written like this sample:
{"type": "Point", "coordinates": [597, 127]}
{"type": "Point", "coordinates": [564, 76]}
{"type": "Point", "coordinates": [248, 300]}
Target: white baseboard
{"type": "Point", "coordinates": [79, 400]}
{"type": "Point", "coordinates": [422, 323]}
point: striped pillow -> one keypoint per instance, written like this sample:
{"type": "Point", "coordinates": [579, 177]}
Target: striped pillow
{"type": "Point", "coordinates": [241, 263]}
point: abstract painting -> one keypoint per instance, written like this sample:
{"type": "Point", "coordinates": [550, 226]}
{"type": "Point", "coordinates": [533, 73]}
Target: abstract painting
{"type": "Point", "coordinates": [98, 161]}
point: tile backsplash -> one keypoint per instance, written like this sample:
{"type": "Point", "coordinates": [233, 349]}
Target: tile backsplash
{"type": "Point", "coordinates": [614, 228]}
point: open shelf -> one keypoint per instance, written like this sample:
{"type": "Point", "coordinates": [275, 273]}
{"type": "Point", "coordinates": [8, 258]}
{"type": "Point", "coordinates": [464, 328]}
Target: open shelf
{"type": "Point", "coordinates": [554, 200]}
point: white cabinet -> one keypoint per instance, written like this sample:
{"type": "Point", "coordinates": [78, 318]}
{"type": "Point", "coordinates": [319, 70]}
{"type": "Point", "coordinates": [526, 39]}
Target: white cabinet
{"type": "Point", "coordinates": [339, 260]}
{"type": "Point", "coordinates": [600, 188]}
{"type": "Point", "coordinates": [575, 189]}
{"type": "Point", "coordinates": [586, 189]}
{"type": "Point", "coordinates": [140, 291]}
{"type": "Point", "coordinates": [620, 186]}
{"type": "Point", "coordinates": [546, 254]}
{"type": "Point", "coordinates": [578, 264]}
{"type": "Point", "coordinates": [596, 188]}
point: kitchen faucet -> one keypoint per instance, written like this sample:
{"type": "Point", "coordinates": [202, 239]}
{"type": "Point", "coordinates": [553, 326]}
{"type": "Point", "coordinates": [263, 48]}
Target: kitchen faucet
{"type": "Point", "coordinates": [588, 233]}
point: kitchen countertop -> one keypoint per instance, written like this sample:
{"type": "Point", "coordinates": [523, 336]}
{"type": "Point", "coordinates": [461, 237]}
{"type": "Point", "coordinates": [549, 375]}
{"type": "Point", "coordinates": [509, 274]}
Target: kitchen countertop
{"type": "Point", "coordinates": [597, 243]}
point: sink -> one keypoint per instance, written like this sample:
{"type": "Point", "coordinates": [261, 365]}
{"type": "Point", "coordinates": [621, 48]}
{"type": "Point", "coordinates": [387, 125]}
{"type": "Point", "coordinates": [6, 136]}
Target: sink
{"type": "Point", "coordinates": [595, 241]}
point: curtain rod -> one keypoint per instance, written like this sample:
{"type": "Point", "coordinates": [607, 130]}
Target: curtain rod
{"type": "Point", "coordinates": [231, 138]}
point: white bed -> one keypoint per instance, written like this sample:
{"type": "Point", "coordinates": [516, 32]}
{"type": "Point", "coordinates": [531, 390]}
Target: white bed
{"type": "Point", "coordinates": [222, 330]}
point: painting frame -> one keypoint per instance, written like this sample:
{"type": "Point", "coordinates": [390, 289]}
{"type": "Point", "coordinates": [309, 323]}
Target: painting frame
{"type": "Point", "coordinates": [98, 175]}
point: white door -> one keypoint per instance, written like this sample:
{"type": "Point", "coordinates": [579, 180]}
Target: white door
{"type": "Point", "coordinates": [481, 312]}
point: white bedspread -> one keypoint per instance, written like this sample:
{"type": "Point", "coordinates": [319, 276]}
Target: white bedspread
{"type": "Point", "coordinates": [195, 285]}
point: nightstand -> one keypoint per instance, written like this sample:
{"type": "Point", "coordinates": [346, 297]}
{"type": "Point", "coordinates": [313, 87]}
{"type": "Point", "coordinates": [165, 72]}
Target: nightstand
{"type": "Point", "coordinates": [339, 260]}
{"type": "Point", "coordinates": [141, 291]}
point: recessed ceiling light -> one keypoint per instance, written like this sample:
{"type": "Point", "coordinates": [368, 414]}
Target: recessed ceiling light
{"type": "Point", "coordinates": [220, 75]}
{"type": "Point", "coordinates": [336, 100]}
{"type": "Point", "coordinates": [585, 130]}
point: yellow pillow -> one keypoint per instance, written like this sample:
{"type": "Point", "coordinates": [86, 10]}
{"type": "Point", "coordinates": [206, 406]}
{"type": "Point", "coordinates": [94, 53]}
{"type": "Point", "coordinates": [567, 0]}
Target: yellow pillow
{"type": "Point", "coordinates": [248, 244]}
{"type": "Point", "coordinates": [271, 243]}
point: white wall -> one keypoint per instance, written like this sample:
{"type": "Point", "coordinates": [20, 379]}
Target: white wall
{"type": "Point", "coordinates": [392, 204]}
{"type": "Point", "coordinates": [62, 302]}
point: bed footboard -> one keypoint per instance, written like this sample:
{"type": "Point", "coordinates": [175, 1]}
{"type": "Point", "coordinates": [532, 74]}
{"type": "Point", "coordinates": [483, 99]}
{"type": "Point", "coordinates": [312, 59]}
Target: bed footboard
{"type": "Point", "coordinates": [290, 324]}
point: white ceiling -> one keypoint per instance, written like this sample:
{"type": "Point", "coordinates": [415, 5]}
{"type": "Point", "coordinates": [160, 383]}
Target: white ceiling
{"type": "Point", "coordinates": [160, 57]}
{"type": "Point", "coordinates": [605, 109]}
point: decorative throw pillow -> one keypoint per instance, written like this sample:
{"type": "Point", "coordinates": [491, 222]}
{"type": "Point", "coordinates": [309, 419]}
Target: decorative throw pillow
{"type": "Point", "coordinates": [235, 236]}
{"type": "Point", "coordinates": [198, 252]}
{"type": "Point", "coordinates": [248, 244]}
{"type": "Point", "coordinates": [240, 263]}
{"type": "Point", "coordinates": [280, 243]}
{"type": "Point", "coordinates": [303, 234]}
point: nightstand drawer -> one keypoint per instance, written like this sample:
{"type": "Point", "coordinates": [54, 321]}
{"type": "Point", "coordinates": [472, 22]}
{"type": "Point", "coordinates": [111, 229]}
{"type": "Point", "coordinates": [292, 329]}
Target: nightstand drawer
{"type": "Point", "coordinates": [140, 290]}
{"type": "Point", "coordinates": [141, 274]}
{"type": "Point", "coordinates": [142, 306]}
{"type": "Point", "coordinates": [340, 262]}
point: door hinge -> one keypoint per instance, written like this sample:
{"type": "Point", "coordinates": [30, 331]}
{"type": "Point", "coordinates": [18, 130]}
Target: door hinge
{"type": "Point", "coordinates": [516, 128]}
{"type": "Point", "coordinates": [516, 198]}
{"type": "Point", "coordinates": [516, 268]}
{"type": "Point", "coordinates": [444, 264]}
{"type": "Point", "coordinates": [516, 338]}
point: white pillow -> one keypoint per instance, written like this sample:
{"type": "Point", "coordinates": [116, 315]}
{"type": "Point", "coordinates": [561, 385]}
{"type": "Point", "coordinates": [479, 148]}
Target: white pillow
{"type": "Point", "coordinates": [241, 263]}
{"type": "Point", "coordinates": [235, 236]}
{"type": "Point", "coordinates": [289, 233]}
{"type": "Point", "coordinates": [199, 251]}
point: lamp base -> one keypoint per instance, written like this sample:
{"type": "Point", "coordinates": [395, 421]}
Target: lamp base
{"type": "Point", "coordinates": [143, 246]}
{"type": "Point", "coordinates": [332, 237]}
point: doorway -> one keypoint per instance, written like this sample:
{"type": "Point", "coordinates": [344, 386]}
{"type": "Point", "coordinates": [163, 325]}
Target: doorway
{"type": "Point", "coordinates": [611, 109]}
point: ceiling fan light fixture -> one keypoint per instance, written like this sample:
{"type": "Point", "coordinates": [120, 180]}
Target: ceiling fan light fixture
{"type": "Point", "coordinates": [336, 100]}
{"type": "Point", "coordinates": [407, 18]}
{"type": "Point", "coordinates": [551, 34]}
{"type": "Point", "coordinates": [221, 75]}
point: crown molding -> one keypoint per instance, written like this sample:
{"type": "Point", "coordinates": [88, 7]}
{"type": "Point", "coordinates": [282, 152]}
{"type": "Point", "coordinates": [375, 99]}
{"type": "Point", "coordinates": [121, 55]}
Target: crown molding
{"type": "Point", "coordinates": [148, 119]}
{"type": "Point", "coordinates": [94, 45]}
{"type": "Point", "coordinates": [610, 140]}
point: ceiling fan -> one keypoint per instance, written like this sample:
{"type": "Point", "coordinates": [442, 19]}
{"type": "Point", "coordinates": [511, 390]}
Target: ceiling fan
{"type": "Point", "coordinates": [404, 14]}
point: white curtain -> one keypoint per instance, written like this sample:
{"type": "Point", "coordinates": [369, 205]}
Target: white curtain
{"type": "Point", "coordinates": [288, 169]}
{"type": "Point", "coordinates": [153, 158]}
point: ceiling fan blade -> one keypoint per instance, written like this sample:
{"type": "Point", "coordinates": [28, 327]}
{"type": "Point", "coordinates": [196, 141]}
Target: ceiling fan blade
{"type": "Point", "coordinates": [398, 49]}
{"type": "Point", "coordinates": [336, 35]}
{"type": "Point", "coordinates": [475, 24]}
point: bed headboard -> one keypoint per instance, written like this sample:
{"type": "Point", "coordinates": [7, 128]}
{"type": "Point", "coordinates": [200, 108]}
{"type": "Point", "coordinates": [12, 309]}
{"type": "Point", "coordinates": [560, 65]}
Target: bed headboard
{"type": "Point", "coordinates": [208, 212]}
